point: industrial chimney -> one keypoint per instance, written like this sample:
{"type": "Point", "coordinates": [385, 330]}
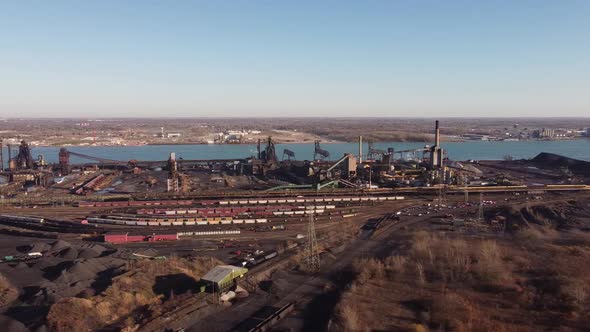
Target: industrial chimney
{"type": "Point", "coordinates": [360, 149]}
{"type": "Point", "coordinates": [436, 134]}
{"type": "Point", "coordinates": [1, 155]}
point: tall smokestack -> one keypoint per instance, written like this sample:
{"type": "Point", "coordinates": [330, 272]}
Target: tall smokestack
{"type": "Point", "coordinates": [437, 134]}
{"type": "Point", "coordinates": [360, 149]}
{"type": "Point", "coordinates": [258, 148]}
{"type": "Point", "coordinates": [1, 155]}
{"type": "Point", "coordinates": [9, 154]}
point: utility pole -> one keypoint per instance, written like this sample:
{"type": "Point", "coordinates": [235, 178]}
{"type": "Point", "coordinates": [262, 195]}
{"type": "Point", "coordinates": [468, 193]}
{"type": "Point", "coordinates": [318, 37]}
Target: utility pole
{"type": "Point", "coordinates": [480, 212]}
{"type": "Point", "coordinates": [312, 256]}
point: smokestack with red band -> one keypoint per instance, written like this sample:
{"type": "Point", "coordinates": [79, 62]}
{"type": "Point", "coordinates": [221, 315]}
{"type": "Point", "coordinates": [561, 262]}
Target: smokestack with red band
{"type": "Point", "coordinates": [437, 135]}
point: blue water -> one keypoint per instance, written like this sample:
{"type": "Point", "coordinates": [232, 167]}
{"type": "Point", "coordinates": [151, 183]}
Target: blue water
{"type": "Point", "coordinates": [478, 150]}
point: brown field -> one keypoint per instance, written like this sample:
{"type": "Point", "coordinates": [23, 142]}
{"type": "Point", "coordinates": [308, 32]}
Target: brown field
{"type": "Point", "coordinates": [538, 279]}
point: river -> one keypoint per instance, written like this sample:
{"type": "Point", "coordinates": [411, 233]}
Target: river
{"type": "Point", "coordinates": [478, 150]}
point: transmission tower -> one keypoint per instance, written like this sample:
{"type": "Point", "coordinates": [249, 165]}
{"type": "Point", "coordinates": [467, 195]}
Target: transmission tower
{"type": "Point", "coordinates": [480, 212]}
{"type": "Point", "coordinates": [442, 199]}
{"type": "Point", "coordinates": [312, 257]}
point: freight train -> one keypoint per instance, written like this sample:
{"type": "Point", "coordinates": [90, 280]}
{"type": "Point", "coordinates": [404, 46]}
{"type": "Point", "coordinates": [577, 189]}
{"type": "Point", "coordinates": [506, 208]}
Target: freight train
{"type": "Point", "coordinates": [22, 218]}
{"type": "Point", "coordinates": [220, 212]}
{"type": "Point", "coordinates": [185, 222]}
{"type": "Point", "coordinates": [237, 201]}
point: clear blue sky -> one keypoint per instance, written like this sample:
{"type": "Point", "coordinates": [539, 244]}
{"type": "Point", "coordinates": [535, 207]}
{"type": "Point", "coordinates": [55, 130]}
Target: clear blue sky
{"type": "Point", "coordinates": [295, 58]}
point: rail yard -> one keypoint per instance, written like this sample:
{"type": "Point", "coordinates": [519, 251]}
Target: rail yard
{"type": "Point", "coordinates": [270, 233]}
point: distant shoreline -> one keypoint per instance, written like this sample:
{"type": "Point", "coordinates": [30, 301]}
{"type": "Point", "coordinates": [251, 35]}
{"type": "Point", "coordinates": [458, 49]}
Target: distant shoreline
{"type": "Point", "coordinates": [306, 142]}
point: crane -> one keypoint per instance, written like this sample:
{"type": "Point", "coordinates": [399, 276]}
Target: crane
{"type": "Point", "coordinates": [319, 151]}
{"type": "Point", "coordinates": [290, 154]}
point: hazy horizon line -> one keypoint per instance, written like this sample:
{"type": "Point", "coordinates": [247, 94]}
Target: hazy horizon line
{"type": "Point", "coordinates": [289, 117]}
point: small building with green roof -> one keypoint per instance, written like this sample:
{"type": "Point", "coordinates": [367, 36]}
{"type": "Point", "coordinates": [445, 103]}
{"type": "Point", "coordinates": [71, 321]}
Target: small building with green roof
{"type": "Point", "coordinates": [222, 277]}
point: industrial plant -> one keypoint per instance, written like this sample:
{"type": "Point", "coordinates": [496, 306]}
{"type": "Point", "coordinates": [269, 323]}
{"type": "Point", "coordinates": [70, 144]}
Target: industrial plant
{"type": "Point", "coordinates": [209, 234]}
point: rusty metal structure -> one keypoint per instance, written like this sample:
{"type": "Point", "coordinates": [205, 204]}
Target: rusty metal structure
{"type": "Point", "coordinates": [24, 158]}
{"type": "Point", "coordinates": [269, 154]}
{"type": "Point", "coordinates": [64, 161]}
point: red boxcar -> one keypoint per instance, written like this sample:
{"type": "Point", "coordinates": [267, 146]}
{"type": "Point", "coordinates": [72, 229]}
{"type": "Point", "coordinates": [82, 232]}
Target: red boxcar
{"type": "Point", "coordinates": [135, 238]}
